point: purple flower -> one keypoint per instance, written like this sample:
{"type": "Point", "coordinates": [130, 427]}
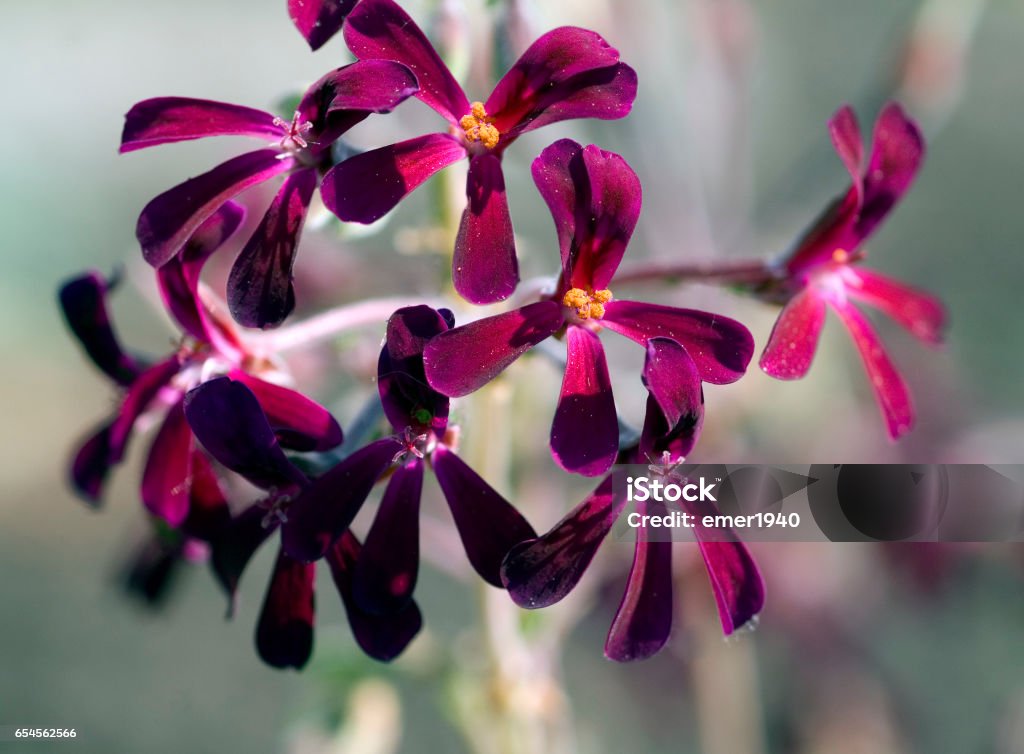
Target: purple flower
{"type": "Point", "coordinates": [178, 484]}
{"type": "Point", "coordinates": [319, 20]}
{"type": "Point", "coordinates": [260, 292]}
{"type": "Point", "coordinates": [567, 73]}
{"type": "Point", "coordinates": [542, 571]}
{"type": "Point", "coordinates": [386, 572]}
{"type": "Point", "coordinates": [821, 270]}
{"type": "Point", "coordinates": [594, 197]}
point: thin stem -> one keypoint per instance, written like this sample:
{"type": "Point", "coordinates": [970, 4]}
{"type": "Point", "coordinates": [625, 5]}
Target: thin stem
{"type": "Point", "coordinates": [747, 271]}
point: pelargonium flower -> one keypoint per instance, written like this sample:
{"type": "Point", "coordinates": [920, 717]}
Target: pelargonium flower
{"type": "Point", "coordinates": [567, 73]}
{"type": "Point", "coordinates": [260, 292]}
{"type": "Point", "coordinates": [231, 423]}
{"type": "Point", "coordinates": [386, 572]}
{"type": "Point", "coordinates": [822, 269]}
{"type": "Point", "coordinates": [319, 20]}
{"type": "Point", "coordinates": [594, 197]}
{"type": "Point", "coordinates": [178, 484]}
{"type": "Point", "coordinates": [542, 571]}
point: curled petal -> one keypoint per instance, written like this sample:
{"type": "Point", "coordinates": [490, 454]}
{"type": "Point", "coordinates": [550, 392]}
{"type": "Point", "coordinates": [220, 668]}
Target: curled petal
{"type": "Point", "coordinates": [720, 347]}
{"type": "Point", "coordinates": [922, 314]}
{"type": "Point", "coordinates": [166, 478]}
{"type": "Point", "coordinates": [484, 268]}
{"type": "Point", "coordinates": [284, 633]}
{"type": "Point", "coordinates": [300, 423]}
{"type": "Point", "coordinates": [367, 186]}
{"type": "Point", "coordinates": [794, 337]}
{"type": "Point", "coordinates": [405, 395]}
{"type": "Point", "coordinates": [675, 407]}
{"type": "Point", "coordinates": [466, 358]}
{"type": "Point", "coordinates": [319, 20]}
{"type": "Point", "coordinates": [168, 220]}
{"type": "Point", "coordinates": [260, 292]}
{"type": "Point", "coordinates": [896, 155]}
{"type": "Point", "coordinates": [585, 430]}
{"type": "Point", "coordinates": [380, 30]}
{"type": "Point", "coordinates": [140, 394]}
{"type": "Point", "coordinates": [91, 466]}
{"type": "Point", "coordinates": [488, 524]}
{"type": "Point", "coordinates": [169, 119]}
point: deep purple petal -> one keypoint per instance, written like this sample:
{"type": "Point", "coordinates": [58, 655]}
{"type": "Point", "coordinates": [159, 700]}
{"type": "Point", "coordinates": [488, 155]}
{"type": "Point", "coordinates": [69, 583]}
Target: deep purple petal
{"type": "Point", "coordinates": [540, 572]}
{"type": "Point", "coordinates": [284, 633]}
{"type": "Point", "coordinates": [484, 268]}
{"type": "Point", "coordinates": [382, 637]}
{"type": "Point", "coordinates": [558, 171]}
{"type": "Point", "coordinates": [234, 545]}
{"type": "Point", "coordinates": [921, 313]}
{"type": "Point", "coordinates": [675, 407]}
{"type": "Point", "coordinates": [385, 574]}
{"type": "Point", "coordinates": [366, 187]}
{"type": "Point", "coordinates": [488, 524]}
{"type": "Point", "coordinates": [319, 20]}
{"type": "Point", "coordinates": [138, 397]}
{"type": "Point", "coordinates": [169, 119]}
{"type": "Point", "coordinates": [585, 430]}
{"type": "Point", "coordinates": [720, 347]}
{"type": "Point", "coordinates": [300, 423]}
{"type": "Point", "coordinates": [326, 508]}
{"type": "Point", "coordinates": [380, 30]}
{"type": "Point", "coordinates": [466, 358]}
{"type": "Point", "coordinates": [407, 399]}
{"type": "Point", "coordinates": [166, 484]}
{"type": "Point", "coordinates": [83, 301]}
{"type": "Point", "coordinates": [260, 292]}
{"type": "Point", "coordinates": [229, 422]}
{"type": "Point", "coordinates": [794, 337]}
{"type": "Point", "coordinates": [91, 466]}
{"type": "Point", "coordinates": [208, 511]}
{"type": "Point", "coordinates": [168, 220]}
{"type": "Point", "coordinates": [567, 73]}
{"type": "Point", "coordinates": [896, 155]}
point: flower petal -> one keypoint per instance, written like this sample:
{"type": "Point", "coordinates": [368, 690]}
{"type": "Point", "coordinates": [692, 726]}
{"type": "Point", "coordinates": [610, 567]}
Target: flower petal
{"type": "Point", "coordinates": [319, 20]}
{"type": "Point", "coordinates": [326, 508]}
{"type": "Point", "coordinates": [585, 430]}
{"type": "Point", "coordinates": [166, 476]}
{"type": "Point", "coordinates": [382, 637]}
{"type": "Point", "coordinates": [300, 423]}
{"type": "Point", "coordinates": [233, 548]}
{"type": "Point", "coordinates": [284, 633]}
{"type": "Point", "coordinates": [366, 187]}
{"type": "Point", "coordinates": [208, 511]}
{"type": "Point", "coordinates": [140, 394]}
{"type": "Point", "coordinates": [675, 406]}
{"type": "Point", "coordinates": [466, 358]}
{"type": "Point", "coordinates": [890, 390]}
{"type": "Point", "coordinates": [794, 338]}
{"type": "Point", "coordinates": [921, 313]}
{"type": "Point", "coordinates": [229, 422]}
{"type": "Point", "coordinates": [488, 524]}
{"type": "Point", "coordinates": [83, 300]}
{"type": "Point", "coordinates": [540, 572]}
{"type": "Point", "coordinates": [846, 138]}
{"type": "Point", "coordinates": [567, 73]}
{"type": "Point", "coordinates": [896, 155]}
{"type": "Point", "coordinates": [168, 220]}
{"type": "Point", "coordinates": [260, 292]}
{"type": "Point", "coordinates": [168, 119]}
{"type": "Point", "coordinates": [91, 466]}
{"type": "Point", "coordinates": [484, 268]}
{"type": "Point", "coordinates": [407, 399]}
{"type": "Point", "coordinates": [380, 30]}
{"type": "Point", "coordinates": [720, 347]}
{"type": "Point", "coordinates": [385, 574]}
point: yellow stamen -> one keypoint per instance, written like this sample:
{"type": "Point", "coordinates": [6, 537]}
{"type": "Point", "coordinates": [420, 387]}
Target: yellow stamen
{"type": "Point", "coordinates": [587, 305]}
{"type": "Point", "coordinates": [478, 126]}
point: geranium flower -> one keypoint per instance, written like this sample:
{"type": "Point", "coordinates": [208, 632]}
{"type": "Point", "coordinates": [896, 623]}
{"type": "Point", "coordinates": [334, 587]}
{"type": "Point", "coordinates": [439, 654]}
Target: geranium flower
{"type": "Point", "coordinates": [567, 73]}
{"type": "Point", "coordinates": [822, 269]}
{"type": "Point", "coordinates": [260, 292]}
{"type": "Point", "coordinates": [541, 572]}
{"type": "Point", "coordinates": [386, 573]}
{"type": "Point", "coordinates": [594, 197]}
{"type": "Point", "coordinates": [178, 485]}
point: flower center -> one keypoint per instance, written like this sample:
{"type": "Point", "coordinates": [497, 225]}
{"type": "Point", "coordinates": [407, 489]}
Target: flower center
{"type": "Point", "coordinates": [587, 305]}
{"type": "Point", "coordinates": [478, 127]}
{"type": "Point", "coordinates": [412, 444]}
{"type": "Point", "coordinates": [296, 133]}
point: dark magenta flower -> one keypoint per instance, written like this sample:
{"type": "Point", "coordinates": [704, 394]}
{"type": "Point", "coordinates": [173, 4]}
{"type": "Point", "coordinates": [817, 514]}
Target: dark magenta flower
{"type": "Point", "coordinates": [542, 571]}
{"type": "Point", "coordinates": [821, 271]}
{"type": "Point", "coordinates": [594, 197]}
{"type": "Point", "coordinates": [319, 20]}
{"type": "Point", "coordinates": [260, 292]}
{"type": "Point", "coordinates": [178, 484]}
{"type": "Point", "coordinates": [567, 73]}
{"type": "Point", "coordinates": [386, 572]}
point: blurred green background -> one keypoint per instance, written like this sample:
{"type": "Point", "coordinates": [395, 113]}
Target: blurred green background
{"type": "Point", "coordinates": [861, 648]}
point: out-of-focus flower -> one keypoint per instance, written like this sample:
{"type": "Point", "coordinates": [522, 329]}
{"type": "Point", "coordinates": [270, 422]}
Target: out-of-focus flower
{"type": "Point", "coordinates": [178, 484]}
{"type": "Point", "coordinates": [260, 292]}
{"type": "Point", "coordinates": [567, 73]}
{"type": "Point", "coordinates": [319, 20]}
{"type": "Point", "coordinates": [821, 271]}
{"type": "Point", "coordinates": [594, 197]}
{"type": "Point", "coordinates": [542, 571]}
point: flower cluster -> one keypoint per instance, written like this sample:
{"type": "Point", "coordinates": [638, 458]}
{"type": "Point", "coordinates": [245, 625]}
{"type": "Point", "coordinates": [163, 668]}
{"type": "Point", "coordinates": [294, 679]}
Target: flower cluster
{"type": "Point", "coordinates": [240, 455]}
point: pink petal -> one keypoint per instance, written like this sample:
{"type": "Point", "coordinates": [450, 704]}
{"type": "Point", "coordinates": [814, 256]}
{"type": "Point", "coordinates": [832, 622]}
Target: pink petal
{"type": "Point", "coordinates": [138, 397]}
{"type": "Point", "coordinates": [794, 337]}
{"type": "Point", "coordinates": [921, 313]}
{"type": "Point", "coordinates": [169, 119]}
{"type": "Point", "coordinates": [319, 20]}
{"type": "Point", "coordinates": [675, 406]}
{"type": "Point", "coordinates": [847, 140]}
{"type": "Point", "coordinates": [896, 155]}
{"type": "Point", "coordinates": [300, 423]}
{"type": "Point", "coordinates": [166, 483]}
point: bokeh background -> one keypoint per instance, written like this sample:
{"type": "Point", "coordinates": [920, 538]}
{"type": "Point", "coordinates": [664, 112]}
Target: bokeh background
{"type": "Point", "coordinates": [861, 648]}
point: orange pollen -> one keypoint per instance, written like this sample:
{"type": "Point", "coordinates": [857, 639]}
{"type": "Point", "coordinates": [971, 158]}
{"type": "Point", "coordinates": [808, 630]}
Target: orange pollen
{"type": "Point", "coordinates": [587, 305]}
{"type": "Point", "coordinates": [840, 256]}
{"type": "Point", "coordinates": [478, 126]}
